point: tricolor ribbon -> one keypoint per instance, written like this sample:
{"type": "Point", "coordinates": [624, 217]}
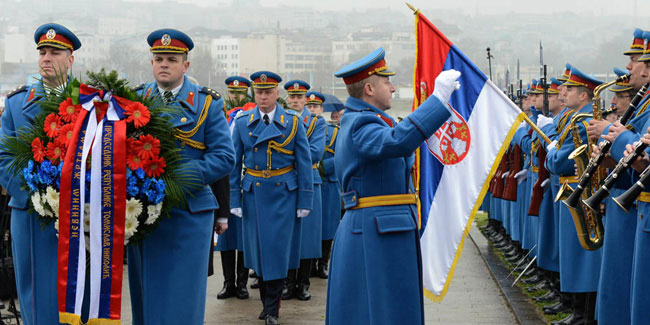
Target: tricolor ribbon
{"type": "Point", "coordinates": [104, 139]}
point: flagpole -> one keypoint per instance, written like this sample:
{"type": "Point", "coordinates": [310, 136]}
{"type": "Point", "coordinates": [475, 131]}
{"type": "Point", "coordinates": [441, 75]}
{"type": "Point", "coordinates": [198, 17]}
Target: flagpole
{"type": "Point", "coordinates": [415, 11]}
{"type": "Point", "coordinates": [538, 130]}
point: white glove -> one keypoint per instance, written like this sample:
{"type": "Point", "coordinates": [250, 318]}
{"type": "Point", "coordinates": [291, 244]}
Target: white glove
{"type": "Point", "coordinates": [545, 183]}
{"type": "Point", "coordinates": [551, 145]}
{"type": "Point", "coordinates": [521, 176]}
{"type": "Point", "coordinates": [446, 84]}
{"type": "Point", "coordinates": [301, 213]}
{"type": "Point", "coordinates": [522, 125]}
{"type": "Point", "coordinates": [543, 121]}
{"type": "Point", "coordinates": [504, 175]}
{"type": "Point", "coordinates": [236, 211]}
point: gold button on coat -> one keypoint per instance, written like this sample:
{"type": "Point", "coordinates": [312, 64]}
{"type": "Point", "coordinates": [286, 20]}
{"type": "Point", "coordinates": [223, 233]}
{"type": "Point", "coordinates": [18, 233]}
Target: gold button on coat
{"type": "Point", "coordinates": [184, 119]}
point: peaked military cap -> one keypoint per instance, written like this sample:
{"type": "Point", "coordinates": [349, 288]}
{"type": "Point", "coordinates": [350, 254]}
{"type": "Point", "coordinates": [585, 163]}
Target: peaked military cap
{"type": "Point", "coordinates": [638, 42]}
{"type": "Point", "coordinates": [56, 36]}
{"type": "Point", "coordinates": [314, 97]}
{"type": "Point", "coordinates": [579, 78]}
{"type": "Point", "coordinates": [169, 40]}
{"type": "Point", "coordinates": [646, 52]}
{"type": "Point", "coordinates": [265, 79]}
{"type": "Point", "coordinates": [621, 86]}
{"type": "Point", "coordinates": [237, 83]}
{"type": "Point", "coordinates": [552, 88]}
{"type": "Point", "coordinates": [567, 73]}
{"type": "Point", "coordinates": [365, 67]}
{"type": "Point", "coordinates": [294, 87]}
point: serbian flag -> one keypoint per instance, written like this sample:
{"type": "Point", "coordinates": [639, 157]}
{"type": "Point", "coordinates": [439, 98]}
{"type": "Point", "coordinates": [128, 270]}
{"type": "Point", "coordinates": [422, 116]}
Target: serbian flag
{"type": "Point", "coordinates": [453, 166]}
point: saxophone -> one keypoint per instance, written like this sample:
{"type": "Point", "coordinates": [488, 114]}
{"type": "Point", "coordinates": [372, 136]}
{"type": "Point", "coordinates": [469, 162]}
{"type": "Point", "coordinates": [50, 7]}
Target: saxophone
{"type": "Point", "coordinates": [588, 223]}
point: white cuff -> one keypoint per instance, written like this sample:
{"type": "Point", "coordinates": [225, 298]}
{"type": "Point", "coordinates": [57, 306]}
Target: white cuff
{"type": "Point", "coordinates": [222, 220]}
{"type": "Point", "coordinates": [551, 145]}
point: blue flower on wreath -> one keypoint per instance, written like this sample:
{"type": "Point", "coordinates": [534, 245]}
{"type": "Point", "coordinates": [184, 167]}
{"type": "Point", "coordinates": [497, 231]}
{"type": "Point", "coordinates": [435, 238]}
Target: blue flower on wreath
{"type": "Point", "coordinates": [30, 177]}
{"type": "Point", "coordinates": [131, 184]}
{"type": "Point", "coordinates": [58, 178]}
{"type": "Point", "coordinates": [160, 191]}
{"type": "Point", "coordinates": [47, 173]}
{"type": "Point", "coordinates": [140, 173]}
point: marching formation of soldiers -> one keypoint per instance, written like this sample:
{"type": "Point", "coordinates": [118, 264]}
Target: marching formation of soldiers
{"type": "Point", "coordinates": [567, 211]}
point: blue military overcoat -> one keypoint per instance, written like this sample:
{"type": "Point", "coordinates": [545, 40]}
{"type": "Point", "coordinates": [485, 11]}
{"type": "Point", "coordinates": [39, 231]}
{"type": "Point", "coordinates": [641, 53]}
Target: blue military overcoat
{"type": "Point", "coordinates": [375, 274]}
{"type": "Point", "coordinates": [579, 268]}
{"type": "Point", "coordinates": [167, 273]}
{"type": "Point", "coordinates": [330, 189]}
{"type": "Point", "coordinates": [312, 225]}
{"type": "Point", "coordinates": [271, 229]}
{"type": "Point", "coordinates": [34, 248]}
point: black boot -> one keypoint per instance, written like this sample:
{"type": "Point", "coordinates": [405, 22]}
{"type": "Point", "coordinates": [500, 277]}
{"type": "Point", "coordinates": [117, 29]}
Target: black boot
{"type": "Point", "coordinates": [302, 292]}
{"type": "Point", "coordinates": [563, 306]}
{"type": "Point", "coordinates": [228, 267]}
{"type": "Point", "coordinates": [242, 277]}
{"type": "Point", "coordinates": [324, 260]}
{"type": "Point", "coordinates": [289, 290]}
{"type": "Point", "coordinates": [589, 308]}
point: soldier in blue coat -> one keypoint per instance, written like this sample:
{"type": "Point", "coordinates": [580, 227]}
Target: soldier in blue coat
{"type": "Point", "coordinates": [230, 243]}
{"type": "Point", "coordinates": [276, 191]}
{"type": "Point", "coordinates": [579, 268]}
{"type": "Point", "coordinates": [375, 274]}
{"type": "Point", "coordinates": [167, 273]}
{"type": "Point", "coordinates": [330, 190]}
{"type": "Point", "coordinates": [310, 243]}
{"type": "Point", "coordinates": [35, 248]}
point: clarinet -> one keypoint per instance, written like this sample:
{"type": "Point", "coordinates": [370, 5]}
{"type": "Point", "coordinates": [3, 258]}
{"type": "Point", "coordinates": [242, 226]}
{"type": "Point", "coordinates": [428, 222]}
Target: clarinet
{"type": "Point", "coordinates": [605, 145]}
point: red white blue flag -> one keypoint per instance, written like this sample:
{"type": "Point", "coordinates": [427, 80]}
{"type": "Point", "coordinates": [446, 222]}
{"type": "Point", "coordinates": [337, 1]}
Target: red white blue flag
{"type": "Point", "coordinates": [454, 165]}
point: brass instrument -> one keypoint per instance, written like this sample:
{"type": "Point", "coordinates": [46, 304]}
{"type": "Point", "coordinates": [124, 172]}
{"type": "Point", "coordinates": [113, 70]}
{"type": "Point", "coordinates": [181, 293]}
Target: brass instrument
{"type": "Point", "coordinates": [588, 223]}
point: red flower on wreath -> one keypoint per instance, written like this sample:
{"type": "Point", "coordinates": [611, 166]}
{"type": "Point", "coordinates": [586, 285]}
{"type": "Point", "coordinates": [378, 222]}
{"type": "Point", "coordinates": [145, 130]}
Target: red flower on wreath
{"type": "Point", "coordinates": [155, 166]}
{"type": "Point", "coordinates": [65, 134]}
{"type": "Point", "coordinates": [38, 150]}
{"type": "Point", "coordinates": [52, 125]}
{"type": "Point", "coordinates": [55, 150]}
{"type": "Point", "coordinates": [68, 111]}
{"type": "Point", "coordinates": [148, 147]}
{"type": "Point", "coordinates": [138, 114]}
{"type": "Point", "coordinates": [134, 161]}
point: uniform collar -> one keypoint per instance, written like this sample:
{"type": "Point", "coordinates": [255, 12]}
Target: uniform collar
{"type": "Point", "coordinates": [356, 104]}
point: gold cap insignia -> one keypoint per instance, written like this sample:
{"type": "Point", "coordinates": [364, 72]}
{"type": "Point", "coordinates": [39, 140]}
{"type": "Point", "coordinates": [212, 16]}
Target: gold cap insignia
{"type": "Point", "coordinates": [263, 78]}
{"type": "Point", "coordinates": [235, 83]}
{"type": "Point", "coordinates": [166, 39]}
{"type": "Point", "coordinates": [312, 97]}
{"type": "Point", "coordinates": [50, 34]}
{"type": "Point", "coordinates": [296, 86]}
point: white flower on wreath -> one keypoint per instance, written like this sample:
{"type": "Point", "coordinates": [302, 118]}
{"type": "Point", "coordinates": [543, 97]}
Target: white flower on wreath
{"type": "Point", "coordinates": [130, 227]}
{"type": "Point", "coordinates": [36, 202]}
{"type": "Point", "coordinates": [48, 212]}
{"type": "Point", "coordinates": [56, 226]}
{"type": "Point", "coordinates": [52, 198]}
{"type": "Point", "coordinates": [133, 208]}
{"type": "Point", "coordinates": [153, 212]}
{"type": "Point", "coordinates": [87, 217]}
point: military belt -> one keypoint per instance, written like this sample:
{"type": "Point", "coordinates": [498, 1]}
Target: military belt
{"type": "Point", "coordinates": [644, 197]}
{"type": "Point", "coordinates": [384, 200]}
{"type": "Point", "coordinates": [568, 179]}
{"type": "Point", "coordinates": [268, 173]}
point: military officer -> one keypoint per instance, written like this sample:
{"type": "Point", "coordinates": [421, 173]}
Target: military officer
{"type": "Point", "coordinates": [34, 247]}
{"type": "Point", "coordinates": [230, 243]}
{"type": "Point", "coordinates": [167, 274]}
{"type": "Point", "coordinates": [376, 255]}
{"type": "Point", "coordinates": [330, 189]}
{"type": "Point", "coordinates": [310, 247]}
{"type": "Point", "coordinates": [579, 268]}
{"type": "Point", "coordinates": [276, 191]}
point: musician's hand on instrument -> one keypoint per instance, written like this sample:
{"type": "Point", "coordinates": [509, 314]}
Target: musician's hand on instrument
{"type": "Point", "coordinates": [640, 163]}
{"type": "Point", "coordinates": [614, 130]}
{"type": "Point", "coordinates": [608, 162]}
{"type": "Point", "coordinates": [595, 151]}
{"type": "Point", "coordinates": [596, 128]}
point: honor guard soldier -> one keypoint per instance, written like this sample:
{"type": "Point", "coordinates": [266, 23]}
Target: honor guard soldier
{"type": "Point", "coordinates": [330, 189]}
{"type": "Point", "coordinates": [35, 247]}
{"type": "Point", "coordinates": [276, 190]}
{"type": "Point", "coordinates": [579, 268]}
{"type": "Point", "coordinates": [230, 243]}
{"type": "Point", "coordinates": [238, 98]}
{"type": "Point", "coordinates": [376, 256]}
{"type": "Point", "coordinates": [297, 283]}
{"type": "Point", "coordinates": [167, 273]}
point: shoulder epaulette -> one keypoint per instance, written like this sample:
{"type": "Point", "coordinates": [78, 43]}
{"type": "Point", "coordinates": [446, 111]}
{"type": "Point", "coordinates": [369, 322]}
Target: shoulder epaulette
{"type": "Point", "coordinates": [242, 113]}
{"type": "Point", "coordinates": [138, 87]}
{"type": "Point", "coordinates": [292, 112]}
{"type": "Point", "coordinates": [17, 91]}
{"type": "Point", "coordinates": [215, 95]}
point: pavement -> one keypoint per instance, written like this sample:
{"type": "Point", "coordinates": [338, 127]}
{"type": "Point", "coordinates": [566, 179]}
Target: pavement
{"type": "Point", "coordinates": [474, 297]}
